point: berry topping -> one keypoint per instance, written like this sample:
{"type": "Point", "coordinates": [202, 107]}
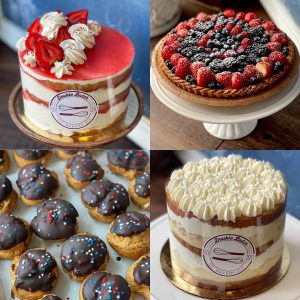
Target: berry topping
{"type": "Point", "coordinates": [255, 22]}
{"type": "Point", "coordinates": [278, 56]}
{"type": "Point", "coordinates": [224, 78]}
{"type": "Point", "coordinates": [183, 33]}
{"type": "Point", "coordinates": [182, 25]}
{"type": "Point", "coordinates": [277, 66]}
{"type": "Point", "coordinates": [269, 26]}
{"type": "Point", "coordinates": [79, 16]}
{"type": "Point", "coordinates": [202, 17]}
{"type": "Point", "coordinates": [183, 68]}
{"type": "Point", "coordinates": [32, 40]}
{"type": "Point", "coordinates": [171, 38]}
{"type": "Point", "coordinates": [274, 46]}
{"type": "Point", "coordinates": [195, 67]}
{"type": "Point", "coordinates": [240, 16]}
{"type": "Point", "coordinates": [245, 43]}
{"type": "Point", "coordinates": [205, 76]}
{"type": "Point", "coordinates": [250, 16]}
{"type": "Point", "coordinates": [238, 80]}
{"type": "Point", "coordinates": [236, 30]}
{"type": "Point", "coordinates": [167, 52]}
{"type": "Point", "coordinates": [264, 68]}
{"type": "Point", "coordinates": [36, 26]}
{"type": "Point", "coordinates": [229, 13]}
{"type": "Point", "coordinates": [47, 53]}
{"type": "Point", "coordinates": [251, 71]}
{"type": "Point", "coordinates": [175, 58]}
{"type": "Point", "coordinates": [279, 37]}
{"type": "Point", "coordinates": [62, 35]}
{"type": "Point", "coordinates": [192, 22]}
{"type": "Point", "coordinates": [230, 26]}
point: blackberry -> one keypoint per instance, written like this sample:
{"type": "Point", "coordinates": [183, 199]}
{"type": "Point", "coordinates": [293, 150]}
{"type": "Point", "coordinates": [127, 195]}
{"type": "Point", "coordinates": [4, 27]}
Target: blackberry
{"type": "Point", "coordinates": [254, 80]}
{"type": "Point", "coordinates": [257, 49]}
{"type": "Point", "coordinates": [199, 57]}
{"type": "Point", "coordinates": [168, 64]}
{"type": "Point", "coordinates": [190, 79]}
{"type": "Point", "coordinates": [228, 63]}
{"type": "Point", "coordinates": [215, 85]}
{"type": "Point", "coordinates": [216, 66]}
{"type": "Point", "coordinates": [173, 70]}
{"type": "Point", "coordinates": [277, 66]}
{"type": "Point", "coordinates": [256, 31]}
{"type": "Point", "coordinates": [251, 59]}
{"type": "Point", "coordinates": [285, 51]}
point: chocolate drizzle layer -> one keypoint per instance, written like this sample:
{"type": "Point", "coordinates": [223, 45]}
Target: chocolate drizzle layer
{"type": "Point", "coordinates": [55, 220]}
{"type": "Point", "coordinates": [83, 167]}
{"type": "Point", "coordinates": [5, 187]}
{"type": "Point", "coordinates": [128, 159]}
{"type": "Point", "coordinates": [12, 231]}
{"type": "Point", "coordinates": [110, 198]}
{"type": "Point", "coordinates": [142, 185]}
{"type": "Point", "coordinates": [83, 254]}
{"type": "Point", "coordinates": [51, 297]}
{"type": "Point", "coordinates": [130, 223]}
{"type": "Point", "coordinates": [36, 182]}
{"type": "Point", "coordinates": [141, 272]}
{"type": "Point", "coordinates": [105, 286]}
{"type": "Point", "coordinates": [35, 271]}
{"type": "Point", "coordinates": [31, 154]}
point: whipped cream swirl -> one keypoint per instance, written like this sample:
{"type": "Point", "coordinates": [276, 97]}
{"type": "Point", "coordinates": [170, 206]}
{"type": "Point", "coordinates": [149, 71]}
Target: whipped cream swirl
{"type": "Point", "coordinates": [51, 23]}
{"type": "Point", "coordinates": [74, 52]}
{"type": "Point", "coordinates": [30, 59]}
{"type": "Point", "coordinates": [227, 188]}
{"type": "Point", "coordinates": [82, 34]}
{"type": "Point", "coordinates": [94, 27]}
{"type": "Point", "coordinates": [61, 68]}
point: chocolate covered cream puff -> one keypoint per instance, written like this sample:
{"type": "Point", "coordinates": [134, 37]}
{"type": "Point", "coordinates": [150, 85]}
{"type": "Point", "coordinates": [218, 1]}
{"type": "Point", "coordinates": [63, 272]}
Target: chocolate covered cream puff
{"type": "Point", "coordinates": [139, 190]}
{"type": "Point", "coordinates": [128, 163]}
{"type": "Point", "coordinates": [83, 254]}
{"type": "Point", "coordinates": [36, 183]}
{"type": "Point", "coordinates": [138, 276]}
{"type": "Point", "coordinates": [105, 200]}
{"type": "Point", "coordinates": [25, 157]}
{"type": "Point", "coordinates": [33, 274]}
{"type": "Point", "coordinates": [56, 220]}
{"type": "Point", "coordinates": [105, 286]}
{"type": "Point", "coordinates": [8, 196]}
{"type": "Point", "coordinates": [129, 234]}
{"type": "Point", "coordinates": [81, 170]}
{"type": "Point", "coordinates": [15, 234]}
{"type": "Point", "coordinates": [4, 161]}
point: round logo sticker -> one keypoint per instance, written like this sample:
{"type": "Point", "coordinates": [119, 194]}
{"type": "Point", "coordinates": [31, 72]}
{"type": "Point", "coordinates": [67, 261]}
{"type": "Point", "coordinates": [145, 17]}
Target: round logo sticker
{"type": "Point", "coordinates": [228, 254]}
{"type": "Point", "coordinates": [73, 109]}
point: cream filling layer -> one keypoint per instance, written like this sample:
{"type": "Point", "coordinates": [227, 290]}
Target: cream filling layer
{"type": "Point", "coordinates": [46, 94]}
{"type": "Point", "coordinates": [196, 233]}
{"type": "Point", "coordinates": [41, 116]}
{"type": "Point", "coordinates": [194, 265]}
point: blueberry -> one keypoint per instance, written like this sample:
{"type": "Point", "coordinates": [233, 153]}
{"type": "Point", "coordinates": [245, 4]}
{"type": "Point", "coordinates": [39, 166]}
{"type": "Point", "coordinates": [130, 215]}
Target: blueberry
{"type": "Point", "coordinates": [240, 22]}
{"type": "Point", "coordinates": [212, 55]}
{"type": "Point", "coordinates": [180, 40]}
{"type": "Point", "coordinates": [190, 79]}
{"type": "Point", "coordinates": [173, 70]}
{"type": "Point", "coordinates": [168, 64]}
{"type": "Point", "coordinates": [254, 80]}
{"type": "Point", "coordinates": [277, 66]}
{"type": "Point", "coordinates": [207, 61]}
{"type": "Point", "coordinates": [285, 51]}
{"type": "Point", "coordinates": [225, 32]}
{"type": "Point", "coordinates": [239, 37]}
{"type": "Point", "coordinates": [226, 47]}
{"type": "Point", "coordinates": [215, 85]}
{"type": "Point", "coordinates": [234, 47]}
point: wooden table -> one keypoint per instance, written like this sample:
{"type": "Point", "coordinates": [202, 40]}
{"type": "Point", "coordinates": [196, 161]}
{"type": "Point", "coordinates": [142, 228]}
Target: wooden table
{"type": "Point", "coordinates": [170, 130]}
{"type": "Point", "coordinates": [10, 136]}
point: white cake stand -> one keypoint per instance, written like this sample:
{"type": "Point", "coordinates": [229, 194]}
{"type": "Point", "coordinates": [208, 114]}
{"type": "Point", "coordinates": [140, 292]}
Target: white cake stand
{"type": "Point", "coordinates": [157, 31]}
{"type": "Point", "coordinates": [228, 123]}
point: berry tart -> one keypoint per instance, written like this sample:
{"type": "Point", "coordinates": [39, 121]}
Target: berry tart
{"type": "Point", "coordinates": [227, 55]}
{"type": "Point", "coordinates": [76, 74]}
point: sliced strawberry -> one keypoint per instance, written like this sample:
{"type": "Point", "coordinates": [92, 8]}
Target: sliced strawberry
{"type": "Point", "coordinates": [269, 26]}
{"type": "Point", "coordinates": [171, 38]}
{"type": "Point", "coordinates": [240, 16]}
{"type": "Point", "coordinates": [264, 68]}
{"type": "Point", "coordinates": [267, 59]}
{"type": "Point", "coordinates": [79, 16]}
{"type": "Point", "coordinates": [251, 71]}
{"type": "Point", "coordinates": [47, 53]}
{"type": "Point", "coordinates": [238, 80]}
{"type": "Point", "coordinates": [205, 76]}
{"type": "Point", "coordinates": [195, 66]}
{"type": "Point", "coordinates": [277, 56]}
{"type": "Point", "coordinates": [32, 40]}
{"type": "Point", "coordinates": [229, 13]}
{"type": "Point", "coordinates": [274, 46]}
{"type": "Point", "coordinates": [255, 22]}
{"type": "Point", "coordinates": [202, 17]}
{"type": "Point", "coordinates": [183, 68]}
{"type": "Point", "coordinates": [224, 78]}
{"type": "Point", "coordinates": [175, 58]}
{"type": "Point", "coordinates": [279, 37]}
{"type": "Point", "coordinates": [36, 26]}
{"type": "Point", "coordinates": [62, 34]}
{"type": "Point", "coordinates": [250, 16]}
{"type": "Point", "coordinates": [246, 42]}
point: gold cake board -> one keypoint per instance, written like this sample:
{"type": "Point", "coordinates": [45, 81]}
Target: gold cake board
{"type": "Point", "coordinates": [88, 139]}
{"type": "Point", "coordinates": [175, 279]}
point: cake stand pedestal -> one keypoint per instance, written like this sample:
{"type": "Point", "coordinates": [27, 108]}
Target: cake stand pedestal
{"type": "Point", "coordinates": [226, 123]}
{"type": "Point", "coordinates": [92, 139]}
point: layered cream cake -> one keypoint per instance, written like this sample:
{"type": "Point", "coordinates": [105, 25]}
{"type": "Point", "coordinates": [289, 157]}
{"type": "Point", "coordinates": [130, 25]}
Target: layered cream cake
{"type": "Point", "coordinates": [226, 220]}
{"type": "Point", "coordinates": [76, 74]}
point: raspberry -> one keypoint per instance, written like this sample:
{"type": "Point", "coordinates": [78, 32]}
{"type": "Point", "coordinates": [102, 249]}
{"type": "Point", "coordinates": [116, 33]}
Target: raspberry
{"type": "Point", "coordinates": [251, 71]}
{"type": "Point", "coordinates": [195, 67]}
{"type": "Point", "coordinates": [192, 22]}
{"type": "Point", "coordinates": [250, 16]}
{"type": "Point", "coordinates": [244, 34]}
{"type": "Point", "coordinates": [279, 37]}
{"type": "Point", "coordinates": [218, 27]}
{"type": "Point", "coordinates": [246, 42]}
{"type": "Point", "coordinates": [224, 78]}
{"type": "Point", "coordinates": [175, 58]}
{"type": "Point", "coordinates": [203, 41]}
{"type": "Point", "coordinates": [255, 22]}
{"type": "Point", "coordinates": [183, 68]}
{"type": "Point", "coordinates": [202, 17]}
{"type": "Point", "coordinates": [183, 33]}
{"type": "Point", "coordinates": [238, 80]}
{"type": "Point", "coordinates": [236, 30]}
{"type": "Point", "coordinates": [274, 46]}
{"type": "Point", "coordinates": [269, 26]}
{"type": "Point", "coordinates": [230, 26]}
{"type": "Point", "coordinates": [277, 56]}
{"type": "Point", "coordinates": [240, 16]}
{"type": "Point", "coordinates": [171, 38]}
{"type": "Point", "coordinates": [167, 52]}
{"type": "Point", "coordinates": [229, 13]}
{"type": "Point", "coordinates": [205, 76]}
{"type": "Point", "coordinates": [182, 25]}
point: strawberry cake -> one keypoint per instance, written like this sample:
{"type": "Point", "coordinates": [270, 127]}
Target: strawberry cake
{"type": "Point", "coordinates": [225, 55]}
{"type": "Point", "coordinates": [76, 74]}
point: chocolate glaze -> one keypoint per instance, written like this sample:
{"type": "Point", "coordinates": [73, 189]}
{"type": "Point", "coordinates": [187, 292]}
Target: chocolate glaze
{"type": "Point", "coordinates": [12, 231]}
{"type": "Point", "coordinates": [35, 271]}
{"type": "Point", "coordinates": [5, 187]}
{"type": "Point", "coordinates": [83, 167]}
{"type": "Point", "coordinates": [55, 220]}
{"type": "Point", "coordinates": [141, 272]}
{"type": "Point", "coordinates": [83, 254]}
{"type": "Point", "coordinates": [130, 223]}
{"type": "Point", "coordinates": [105, 286]}
{"type": "Point", "coordinates": [36, 182]}
{"type": "Point", "coordinates": [110, 198]}
{"type": "Point", "coordinates": [128, 159]}
{"type": "Point", "coordinates": [31, 154]}
{"type": "Point", "coordinates": [142, 185]}
{"type": "Point", "coordinates": [51, 297]}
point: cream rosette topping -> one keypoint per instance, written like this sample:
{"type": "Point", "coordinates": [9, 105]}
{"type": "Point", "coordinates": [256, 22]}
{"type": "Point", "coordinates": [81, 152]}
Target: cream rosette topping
{"type": "Point", "coordinates": [227, 188]}
{"type": "Point", "coordinates": [62, 41]}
